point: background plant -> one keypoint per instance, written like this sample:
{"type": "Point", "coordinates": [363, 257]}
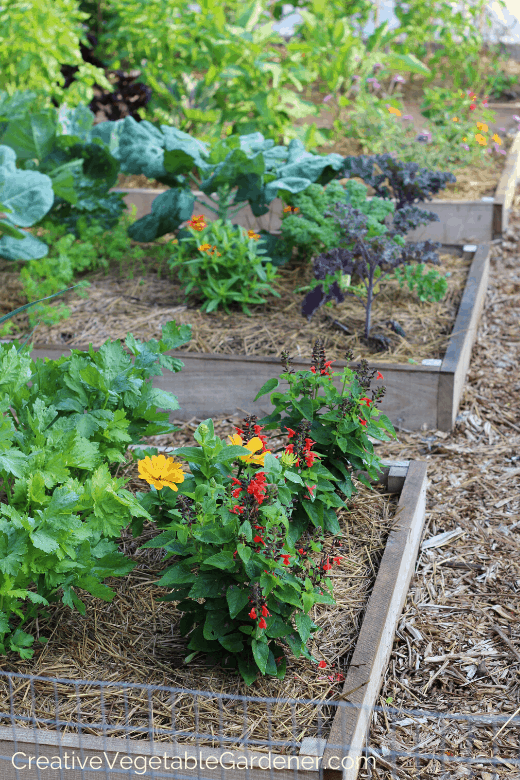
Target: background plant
{"type": "Point", "coordinates": [458, 31]}
{"type": "Point", "coordinates": [428, 284]}
{"type": "Point", "coordinates": [35, 39]}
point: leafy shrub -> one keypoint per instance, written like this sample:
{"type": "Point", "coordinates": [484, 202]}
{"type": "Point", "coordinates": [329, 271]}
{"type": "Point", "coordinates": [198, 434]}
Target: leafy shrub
{"type": "Point", "coordinates": [56, 438]}
{"type": "Point", "coordinates": [220, 263]}
{"type": "Point", "coordinates": [247, 525]}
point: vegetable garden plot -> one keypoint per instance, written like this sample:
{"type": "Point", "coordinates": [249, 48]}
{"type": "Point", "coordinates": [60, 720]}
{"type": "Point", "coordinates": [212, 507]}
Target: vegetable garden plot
{"type": "Point", "coordinates": [462, 221]}
{"type": "Point", "coordinates": [89, 644]}
{"type": "Point", "coordinates": [213, 382]}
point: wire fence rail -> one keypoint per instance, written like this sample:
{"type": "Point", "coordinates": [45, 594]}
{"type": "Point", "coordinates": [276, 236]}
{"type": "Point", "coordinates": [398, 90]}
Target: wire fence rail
{"type": "Point", "coordinates": [178, 733]}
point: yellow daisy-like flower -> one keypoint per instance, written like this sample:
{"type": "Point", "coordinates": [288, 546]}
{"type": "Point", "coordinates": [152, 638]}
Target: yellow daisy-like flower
{"type": "Point", "coordinates": [482, 126]}
{"type": "Point", "coordinates": [497, 139]}
{"type": "Point", "coordinates": [160, 472]}
{"type": "Point", "coordinates": [252, 234]}
{"type": "Point", "coordinates": [480, 139]}
{"type": "Point", "coordinates": [455, 119]}
{"type": "Point", "coordinates": [464, 139]}
{"type": "Point", "coordinates": [204, 247]}
{"type": "Point", "coordinates": [395, 111]}
{"type": "Point", "coordinates": [254, 445]}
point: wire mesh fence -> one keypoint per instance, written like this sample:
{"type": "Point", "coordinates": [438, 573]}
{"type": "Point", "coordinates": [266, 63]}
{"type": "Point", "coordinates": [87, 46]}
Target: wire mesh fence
{"type": "Point", "coordinates": [61, 728]}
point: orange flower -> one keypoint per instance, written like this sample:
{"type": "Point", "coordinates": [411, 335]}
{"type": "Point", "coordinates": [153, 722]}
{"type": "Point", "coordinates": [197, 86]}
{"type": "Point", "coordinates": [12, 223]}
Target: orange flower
{"type": "Point", "coordinates": [497, 139]}
{"type": "Point", "coordinates": [480, 139]}
{"type": "Point", "coordinates": [393, 110]}
{"type": "Point", "coordinates": [252, 234]}
{"type": "Point", "coordinates": [482, 126]}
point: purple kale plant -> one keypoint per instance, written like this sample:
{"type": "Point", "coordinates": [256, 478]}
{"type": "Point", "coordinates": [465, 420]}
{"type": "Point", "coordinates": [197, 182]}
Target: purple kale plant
{"type": "Point", "coordinates": [363, 256]}
{"type": "Point", "coordinates": [407, 181]}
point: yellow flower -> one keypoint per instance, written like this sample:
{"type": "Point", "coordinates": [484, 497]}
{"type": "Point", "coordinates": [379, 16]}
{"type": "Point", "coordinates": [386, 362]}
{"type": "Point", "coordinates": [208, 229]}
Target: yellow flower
{"type": "Point", "coordinates": [497, 139]}
{"type": "Point", "coordinates": [204, 247]}
{"type": "Point", "coordinates": [161, 472]}
{"type": "Point", "coordinates": [174, 241]}
{"type": "Point", "coordinates": [464, 139]}
{"type": "Point", "coordinates": [253, 446]}
{"type": "Point", "coordinates": [480, 139]}
{"type": "Point", "coordinates": [482, 126]}
{"type": "Point", "coordinates": [395, 111]}
{"type": "Point", "coordinates": [252, 234]}
{"type": "Point", "coordinates": [455, 119]}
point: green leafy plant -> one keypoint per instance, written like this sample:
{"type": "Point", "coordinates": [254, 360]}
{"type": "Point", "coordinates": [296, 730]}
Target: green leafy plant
{"type": "Point", "coordinates": [25, 197]}
{"type": "Point", "coordinates": [237, 169]}
{"type": "Point", "coordinates": [220, 263]}
{"type": "Point", "coordinates": [35, 40]}
{"type": "Point", "coordinates": [341, 416]}
{"type": "Point", "coordinates": [429, 285]}
{"type": "Point", "coordinates": [247, 541]}
{"type": "Point", "coordinates": [64, 146]}
{"type": "Point", "coordinates": [238, 78]}
{"type": "Point", "coordinates": [306, 226]}
{"type": "Point", "coordinates": [57, 438]}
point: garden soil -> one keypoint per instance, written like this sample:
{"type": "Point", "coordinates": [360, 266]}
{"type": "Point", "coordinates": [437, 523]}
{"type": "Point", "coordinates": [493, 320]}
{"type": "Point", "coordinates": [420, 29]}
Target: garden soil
{"type": "Point", "coordinates": [117, 305]}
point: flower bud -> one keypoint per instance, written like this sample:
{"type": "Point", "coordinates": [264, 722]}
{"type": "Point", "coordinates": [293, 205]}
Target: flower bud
{"type": "Point", "coordinates": [288, 459]}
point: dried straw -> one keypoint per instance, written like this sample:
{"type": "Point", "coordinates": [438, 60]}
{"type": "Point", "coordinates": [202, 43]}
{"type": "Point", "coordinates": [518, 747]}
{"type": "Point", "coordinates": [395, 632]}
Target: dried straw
{"type": "Point", "coordinates": [116, 306]}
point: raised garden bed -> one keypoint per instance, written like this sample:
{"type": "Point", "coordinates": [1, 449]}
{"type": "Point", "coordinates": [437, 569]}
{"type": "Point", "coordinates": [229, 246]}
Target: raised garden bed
{"type": "Point", "coordinates": [211, 384]}
{"type": "Point", "coordinates": [339, 740]}
{"type": "Point", "coordinates": [463, 220]}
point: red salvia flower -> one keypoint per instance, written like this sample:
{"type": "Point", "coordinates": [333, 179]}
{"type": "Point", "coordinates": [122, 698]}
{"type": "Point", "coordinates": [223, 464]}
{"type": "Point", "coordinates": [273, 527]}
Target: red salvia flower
{"type": "Point", "coordinates": [290, 433]}
{"type": "Point", "coordinates": [322, 664]}
{"type": "Point", "coordinates": [258, 540]}
{"type": "Point", "coordinates": [286, 559]}
{"type": "Point", "coordinates": [363, 422]}
{"type": "Point", "coordinates": [262, 623]}
{"type": "Point", "coordinates": [265, 612]}
{"type": "Point", "coordinates": [337, 559]}
{"type": "Point", "coordinates": [379, 375]}
{"type": "Point", "coordinates": [237, 509]}
{"type": "Point", "coordinates": [252, 614]}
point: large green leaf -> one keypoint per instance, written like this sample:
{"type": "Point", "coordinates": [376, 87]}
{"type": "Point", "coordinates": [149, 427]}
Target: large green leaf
{"type": "Point", "coordinates": [406, 62]}
{"type": "Point", "coordinates": [33, 136]}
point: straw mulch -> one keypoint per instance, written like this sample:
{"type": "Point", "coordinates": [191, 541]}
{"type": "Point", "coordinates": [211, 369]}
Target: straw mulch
{"type": "Point", "coordinates": [464, 598]}
{"type": "Point", "coordinates": [116, 306]}
{"type": "Point", "coordinates": [136, 639]}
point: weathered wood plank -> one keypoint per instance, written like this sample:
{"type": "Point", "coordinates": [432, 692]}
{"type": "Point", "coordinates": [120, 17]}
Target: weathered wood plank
{"type": "Point", "coordinates": [374, 645]}
{"type": "Point", "coordinates": [458, 355]}
{"type": "Point", "coordinates": [505, 191]}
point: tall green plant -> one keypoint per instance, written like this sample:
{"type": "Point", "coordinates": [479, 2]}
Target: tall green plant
{"type": "Point", "coordinates": [36, 38]}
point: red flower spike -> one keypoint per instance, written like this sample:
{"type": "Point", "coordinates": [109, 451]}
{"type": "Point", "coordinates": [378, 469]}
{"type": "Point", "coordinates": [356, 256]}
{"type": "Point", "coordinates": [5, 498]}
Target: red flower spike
{"type": "Point", "coordinates": [252, 614]}
{"type": "Point", "coordinates": [286, 559]}
{"type": "Point", "coordinates": [379, 375]}
{"type": "Point", "coordinates": [322, 665]}
{"type": "Point", "coordinates": [363, 422]}
{"type": "Point", "coordinates": [262, 623]}
{"type": "Point", "coordinates": [265, 612]}
{"type": "Point", "coordinates": [290, 433]}
{"type": "Point", "coordinates": [258, 540]}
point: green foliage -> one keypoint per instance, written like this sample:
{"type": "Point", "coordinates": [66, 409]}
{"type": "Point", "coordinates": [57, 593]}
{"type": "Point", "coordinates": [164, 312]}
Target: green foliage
{"type": "Point", "coordinates": [429, 286]}
{"type": "Point", "coordinates": [243, 541]}
{"type": "Point", "coordinates": [245, 84]}
{"type": "Point", "coordinates": [238, 169]}
{"type": "Point", "coordinates": [63, 145]}
{"type": "Point", "coordinates": [341, 419]}
{"type": "Point", "coordinates": [25, 197]}
{"type": "Point", "coordinates": [228, 270]}
{"type": "Point", "coordinates": [458, 31]}
{"type": "Point", "coordinates": [56, 438]}
{"type": "Point", "coordinates": [312, 232]}
{"type": "Point", "coordinates": [36, 38]}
